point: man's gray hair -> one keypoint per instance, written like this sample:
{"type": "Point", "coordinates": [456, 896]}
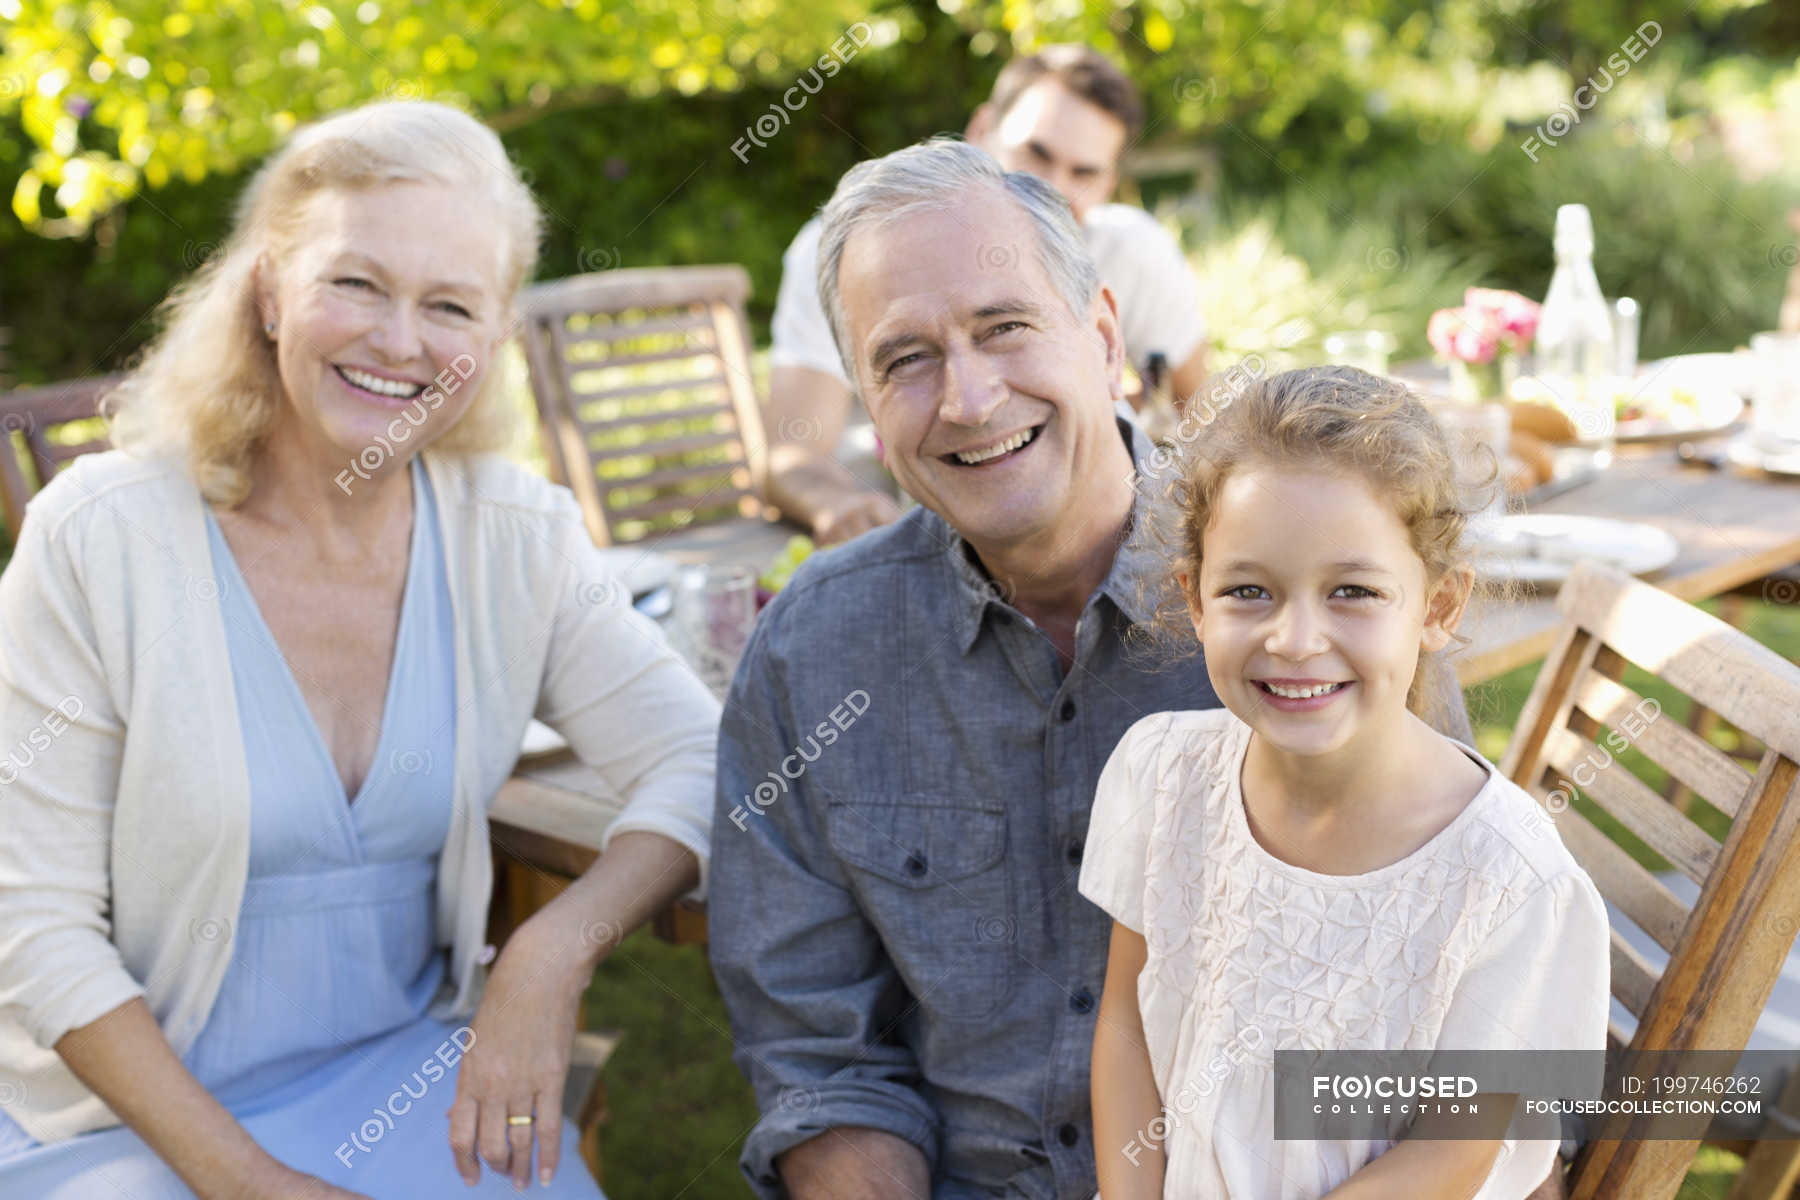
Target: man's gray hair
{"type": "Point", "coordinates": [937, 174]}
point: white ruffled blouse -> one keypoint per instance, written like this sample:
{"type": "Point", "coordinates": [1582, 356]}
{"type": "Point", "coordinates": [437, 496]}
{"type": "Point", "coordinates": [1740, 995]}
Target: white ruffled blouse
{"type": "Point", "coordinates": [1489, 936]}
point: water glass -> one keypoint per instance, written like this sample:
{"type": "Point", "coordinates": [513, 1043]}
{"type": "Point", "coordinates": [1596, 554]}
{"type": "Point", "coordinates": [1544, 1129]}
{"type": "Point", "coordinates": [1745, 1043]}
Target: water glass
{"type": "Point", "coordinates": [1367, 349]}
{"type": "Point", "coordinates": [1479, 435]}
{"type": "Point", "coordinates": [710, 625]}
{"type": "Point", "coordinates": [1775, 399]}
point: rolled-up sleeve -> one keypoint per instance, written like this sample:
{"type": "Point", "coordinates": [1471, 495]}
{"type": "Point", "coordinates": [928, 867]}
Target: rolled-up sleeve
{"type": "Point", "coordinates": [59, 969]}
{"type": "Point", "coordinates": [811, 992]}
{"type": "Point", "coordinates": [628, 705]}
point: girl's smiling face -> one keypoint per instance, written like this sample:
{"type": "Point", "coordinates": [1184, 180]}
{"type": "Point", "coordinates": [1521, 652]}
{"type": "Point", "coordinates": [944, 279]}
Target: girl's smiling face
{"type": "Point", "coordinates": [1313, 607]}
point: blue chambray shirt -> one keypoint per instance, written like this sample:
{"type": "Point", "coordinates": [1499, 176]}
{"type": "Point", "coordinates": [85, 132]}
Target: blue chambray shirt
{"type": "Point", "coordinates": [905, 776]}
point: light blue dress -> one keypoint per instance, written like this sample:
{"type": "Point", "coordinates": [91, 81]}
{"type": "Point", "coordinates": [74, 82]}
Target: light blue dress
{"type": "Point", "coordinates": [318, 1041]}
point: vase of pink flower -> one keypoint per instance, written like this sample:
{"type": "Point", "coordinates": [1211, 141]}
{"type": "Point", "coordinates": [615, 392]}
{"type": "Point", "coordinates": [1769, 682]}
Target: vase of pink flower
{"type": "Point", "coordinates": [1482, 341]}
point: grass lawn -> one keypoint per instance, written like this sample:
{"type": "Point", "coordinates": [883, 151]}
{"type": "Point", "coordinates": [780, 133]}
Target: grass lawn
{"type": "Point", "coordinates": [680, 1109]}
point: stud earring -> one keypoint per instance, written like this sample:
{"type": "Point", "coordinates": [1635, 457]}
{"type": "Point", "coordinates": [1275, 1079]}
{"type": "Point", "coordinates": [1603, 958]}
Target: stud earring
{"type": "Point", "coordinates": [269, 328]}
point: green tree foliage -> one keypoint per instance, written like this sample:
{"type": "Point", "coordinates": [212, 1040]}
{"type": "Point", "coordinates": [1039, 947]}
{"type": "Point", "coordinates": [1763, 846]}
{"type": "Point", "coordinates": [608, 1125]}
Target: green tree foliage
{"type": "Point", "coordinates": [114, 94]}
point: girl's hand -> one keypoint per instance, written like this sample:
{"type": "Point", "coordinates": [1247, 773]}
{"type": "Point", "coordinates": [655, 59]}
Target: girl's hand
{"type": "Point", "coordinates": [519, 1058]}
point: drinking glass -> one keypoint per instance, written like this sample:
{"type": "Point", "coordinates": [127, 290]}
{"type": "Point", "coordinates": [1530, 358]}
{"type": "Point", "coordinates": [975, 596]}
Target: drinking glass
{"type": "Point", "coordinates": [1775, 402]}
{"type": "Point", "coordinates": [1479, 435]}
{"type": "Point", "coordinates": [714, 609]}
{"type": "Point", "coordinates": [1364, 348]}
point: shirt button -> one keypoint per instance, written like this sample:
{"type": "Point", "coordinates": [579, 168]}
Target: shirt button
{"type": "Point", "coordinates": [1074, 854]}
{"type": "Point", "coordinates": [915, 864]}
{"type": "Point", "coordinates": [1082, 1001]}
{"type": "Point", "coordinates": [1068, 1135]}
{"type": "Point", "coordinates": [1068, 710]}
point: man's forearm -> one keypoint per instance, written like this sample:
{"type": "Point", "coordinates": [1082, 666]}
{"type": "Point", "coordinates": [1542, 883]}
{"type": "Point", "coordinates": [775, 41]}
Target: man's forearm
{"type": "Point", "coordinates": [806, 484]}
{"type": "Point", "coordinates": [854, 1163]}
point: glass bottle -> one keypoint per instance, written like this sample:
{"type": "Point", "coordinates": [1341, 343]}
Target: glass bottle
{"type": "Point", "coordinates": [1573, 353]}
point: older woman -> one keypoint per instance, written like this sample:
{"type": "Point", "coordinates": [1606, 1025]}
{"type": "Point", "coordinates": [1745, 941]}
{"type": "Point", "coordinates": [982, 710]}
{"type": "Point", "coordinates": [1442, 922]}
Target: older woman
{"type": "Point", "coordinates": [262, 669]}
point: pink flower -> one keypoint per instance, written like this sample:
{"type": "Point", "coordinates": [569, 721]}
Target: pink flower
{"type": "Point", "coordinates": [1465, 334]}
{"type": "Point", "coordinates": [1516, 317]}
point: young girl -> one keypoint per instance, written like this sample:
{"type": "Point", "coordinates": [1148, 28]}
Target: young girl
{"type": "Point", "coordinates": [1313, 867]}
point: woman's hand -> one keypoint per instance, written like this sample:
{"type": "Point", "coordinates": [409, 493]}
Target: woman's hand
{"type": "Point", "coordinates": [519, 1058]}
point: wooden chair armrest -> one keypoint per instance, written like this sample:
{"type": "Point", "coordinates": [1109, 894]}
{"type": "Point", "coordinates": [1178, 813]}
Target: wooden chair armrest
{"type": "Point", "coordinates": [552, 817]}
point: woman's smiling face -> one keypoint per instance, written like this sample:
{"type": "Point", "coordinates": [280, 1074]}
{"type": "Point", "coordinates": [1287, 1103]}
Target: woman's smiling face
{"type": "Point", "coordinates": [388, 289]}
{"type": "Point", "coordinates": [1314, 607]}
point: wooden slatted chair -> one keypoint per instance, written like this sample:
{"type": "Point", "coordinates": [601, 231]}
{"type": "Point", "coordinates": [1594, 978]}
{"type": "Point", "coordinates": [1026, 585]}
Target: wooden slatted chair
{"type": "Point", "coordinates": [1726, 951]}
{"type": "Point", "coordinates": [644, 393]}
{"type": "Point", "coordinates": [44, 429]}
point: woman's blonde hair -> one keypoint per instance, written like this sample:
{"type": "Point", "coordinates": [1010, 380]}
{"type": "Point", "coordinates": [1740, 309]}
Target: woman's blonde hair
{"type": "Point", "coordinates": [208, 386]}
{"type": "Point", "coordinates": [1331, 418]}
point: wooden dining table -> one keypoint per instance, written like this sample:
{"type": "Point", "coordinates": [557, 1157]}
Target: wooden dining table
{"type": "Point", "coordinates": [1731, 528]}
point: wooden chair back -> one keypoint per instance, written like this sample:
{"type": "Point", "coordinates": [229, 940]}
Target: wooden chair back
{"type": "Point", "coordinates": [36, 422]}
{"type": "Point", "coordinates": [1726, 951]}
{"type": "Point", "coordinates": [644, 394]}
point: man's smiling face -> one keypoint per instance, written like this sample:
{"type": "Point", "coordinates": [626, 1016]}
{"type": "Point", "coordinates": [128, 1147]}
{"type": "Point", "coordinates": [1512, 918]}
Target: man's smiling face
{"type": "Point", "coordinates": [994, 401]}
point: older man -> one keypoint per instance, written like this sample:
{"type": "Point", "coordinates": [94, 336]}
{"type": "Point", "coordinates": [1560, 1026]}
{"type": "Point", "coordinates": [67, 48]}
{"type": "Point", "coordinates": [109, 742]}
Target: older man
{"type": "Point", "coordinates": [909, 752]}
{"type": "Point", "coordinates": [1064, 114]}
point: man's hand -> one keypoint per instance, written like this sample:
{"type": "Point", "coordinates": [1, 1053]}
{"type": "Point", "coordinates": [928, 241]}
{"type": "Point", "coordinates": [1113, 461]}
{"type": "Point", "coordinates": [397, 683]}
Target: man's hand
{"type": "Point", "coordinates": [850, 515]}
{"type": "Point", "coordinates": [853, 1163]}
{"type": "Point", "coordinates": [804, 418]}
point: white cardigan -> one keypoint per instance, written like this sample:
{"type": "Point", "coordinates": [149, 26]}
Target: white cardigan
{"type": "Point", "coordinates": [124, 794]}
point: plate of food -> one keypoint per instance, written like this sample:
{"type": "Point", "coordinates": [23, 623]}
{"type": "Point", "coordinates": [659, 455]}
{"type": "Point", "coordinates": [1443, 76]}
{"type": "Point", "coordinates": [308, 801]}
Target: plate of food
{"type": "Point", "coordinates": [1661, 410]}
{"type": "Point", "coordinates": [1668, 401]}
{"type": "Point", "coordinates": [1543, 548]}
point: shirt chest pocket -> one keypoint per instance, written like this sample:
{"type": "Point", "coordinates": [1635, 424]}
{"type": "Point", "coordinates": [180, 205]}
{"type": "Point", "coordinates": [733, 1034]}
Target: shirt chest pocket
{"type": "Point", "coordinates": [931, 874]}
